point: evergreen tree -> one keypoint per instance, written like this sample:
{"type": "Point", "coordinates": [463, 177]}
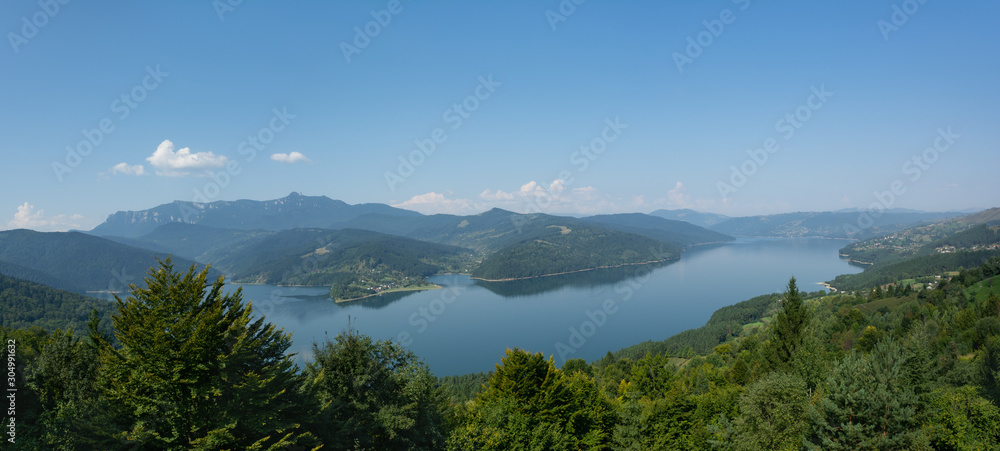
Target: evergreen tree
{"type": "Point", "coordinates": [788, 328]}
{"type": "Point", "coordinates": [195, 370]}
{"type": "Point", "coordinates": [530, 404]}
{"type": "Point", "coordinates": [869, 404]}
{"type": "Point", "coordinates": [988, 364]}
{"type": "Point", "coordinates": [772, 414]}
{"type": "Point", "coordinates": [536, 384]}
{"type": "Point", "coordinates": [374, 395]}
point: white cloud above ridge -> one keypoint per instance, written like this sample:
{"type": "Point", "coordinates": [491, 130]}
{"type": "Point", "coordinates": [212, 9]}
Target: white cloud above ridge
{"type": "Point", "coordinates": [291, 157]}
{"type": "Point", "coordinates": [531, 197]}
{"type": "Point", "coordinates": [170, 163]}
{"type": "Point", "coordinates": [559, 198]}
{"type": "Point", "coordinates": [434, 203]}
{"type": "Point", "coordinates": [28, 217]}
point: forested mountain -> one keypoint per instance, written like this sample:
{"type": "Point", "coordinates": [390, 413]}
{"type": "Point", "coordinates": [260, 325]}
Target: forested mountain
{"type": "Point", "coordinates": [697, 218]}
{"type": "Point", "coordinates": [271, 256]}
{"type": "Point", "coordinates": [563, 249]}
{"type": "Point", "coordinates": [824, 224]}
{"type": "Point", "coordinates": [921, 269]}
{"type": "Point", "coordinates": [292, 211]}
{"type": "Point", "coordinates": [76, 261]}
{"type": "Point", "coordinates": [330, 257]}
{"type": "Point", "coordinates": [961, 233]}
{"type": "Point", "coordinates": [918, 253]}
{"type": "Point", "coordinates": [486, 232]}
{"type": "Point", "coordinates": [671, 231]}
{"type": "Point", "coordinates": [25, 304]}
{"type": "Point", "coordinates": [492, 230]}
{"type": "Point", "coordinates": [15, 270]}
{"type": "Point", "coordinates": [202, 243]}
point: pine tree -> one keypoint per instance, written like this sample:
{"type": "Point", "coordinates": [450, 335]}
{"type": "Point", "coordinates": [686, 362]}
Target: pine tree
{"type": "Point", "coordinates": [772, 414]}
{"type": "Point", "coordinates": [788, 328]}
{"type": "Point", "coordinates": [194, 369]}
{"type": "Point", "coordinates": [869, 404]}
{"type": "Point", "coordinates": [536, 384]}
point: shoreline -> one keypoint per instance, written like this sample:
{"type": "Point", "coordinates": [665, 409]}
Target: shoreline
{"type": "Point", "coordinates": [433, 286]}
{"type": "Point", "coordinates": [828, 286]}
{"type": "Point", "coordinates": [512, 279]}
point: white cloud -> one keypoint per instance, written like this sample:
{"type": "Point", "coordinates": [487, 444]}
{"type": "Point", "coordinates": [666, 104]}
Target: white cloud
{"type": "Point", "coordinates": [127, 169]}
{"type": "Point", "coordinates": [531, 197]}
{"type": "Point", "coordinates": [555, 198]}
{"type": "Point", "coordinates": [678, 198]}
{"type": "Point", "coordinates": [168, 162]}
{"type": "Point", "coordinates": [558, 197]}
{"type": "Point", "coordinates": [432, 203]}
{"type": "Point", "coordinates": [27, 217]}
{"type": "Point", "coordinates": [291, 157]}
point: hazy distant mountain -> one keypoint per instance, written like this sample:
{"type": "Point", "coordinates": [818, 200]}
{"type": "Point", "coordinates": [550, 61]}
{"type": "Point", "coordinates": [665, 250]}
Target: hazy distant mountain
{"type": "Point", "coordinates": [694, 217]}
{"type": "Point", "coordinates": [76, 261]}
{"type": "Point", "coordinates": [888, 210]}
{"type": "Point", "coordinates": [197, 242]}
{"type": "Point", "coordinates": [825, 224]}
{"type": "Point", "coordinates": [417, 245]}
{"type": "Point", "coordinates": [672, 231]}
{"type": "Point", "coordinates": [485, 232]}
{"type": "Point", "coordinates": [492, 230]}
{"type": "Point", "coordinates": [982, 217]}
{"type": "Point", "coordinates": [292, 211]}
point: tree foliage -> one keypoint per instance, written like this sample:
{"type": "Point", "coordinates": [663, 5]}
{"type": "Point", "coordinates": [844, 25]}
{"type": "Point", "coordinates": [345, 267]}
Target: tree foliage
{"type": "Point", "coordinates": [374, 395]}
{"type": "Point", "coordinates": [789, 327]}
{"type": "Point", "coordinates": [194, 369]}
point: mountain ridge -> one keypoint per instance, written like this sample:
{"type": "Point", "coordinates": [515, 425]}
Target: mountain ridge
{"type": "Point", "coordinates": [294, 210]}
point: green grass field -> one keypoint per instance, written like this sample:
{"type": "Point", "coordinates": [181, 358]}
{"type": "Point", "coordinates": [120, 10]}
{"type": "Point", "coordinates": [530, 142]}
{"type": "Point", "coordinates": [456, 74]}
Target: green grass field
{"type": "Point", "coordinates": [983, 289]}
{"type": "Point", "coordinates": [872, 307]}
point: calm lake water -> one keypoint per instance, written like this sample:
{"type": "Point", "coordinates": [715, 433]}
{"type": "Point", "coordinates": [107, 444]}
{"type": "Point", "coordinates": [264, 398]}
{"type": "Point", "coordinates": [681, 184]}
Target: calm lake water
{"type": "Point", "coordinates": [467, 326]}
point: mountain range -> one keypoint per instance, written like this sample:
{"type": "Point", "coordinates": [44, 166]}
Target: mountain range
{"type": "Point", "coordinates": [292, 211]}
{"type": "Point", "coordinates": [364, 248]}
{"type": "Point", "coordinates": [265, 240]}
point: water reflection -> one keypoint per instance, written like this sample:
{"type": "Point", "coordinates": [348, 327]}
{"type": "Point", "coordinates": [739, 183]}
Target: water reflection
{"type": "Point", "coordinates": [585, 279]}
{"type": "Point", "coordinates": [376, 302]}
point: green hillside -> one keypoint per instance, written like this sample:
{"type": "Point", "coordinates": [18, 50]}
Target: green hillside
{"type": "Point", "coordinates": [657, 228]}
{"type": "Point", "coordinates": [492, 230]}
{"type": "Point", "coordinates": [77, 261]}
{"type": "Point", "coordinates": [25, 304]}
{"type": "Point", "coordinates": [351, 261]}
{"type": "Point", "coordinates": [919, 253]}
{"type": "Point", "coordinates": [924, 239]}
{"type": "Point", "coordinates": [561, 249]}
{"type": "Point", "coordinates": [924, 267]}
{"type": "Point", "coordinates": [197, 242]}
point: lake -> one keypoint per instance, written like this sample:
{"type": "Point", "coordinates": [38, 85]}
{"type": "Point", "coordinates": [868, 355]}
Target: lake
{"type": "Point", "coordinates": [466, 326]}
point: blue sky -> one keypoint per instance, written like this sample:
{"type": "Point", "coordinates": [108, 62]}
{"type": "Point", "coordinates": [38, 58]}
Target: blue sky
{"type": "Point", "coordinates": [519, 95]}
